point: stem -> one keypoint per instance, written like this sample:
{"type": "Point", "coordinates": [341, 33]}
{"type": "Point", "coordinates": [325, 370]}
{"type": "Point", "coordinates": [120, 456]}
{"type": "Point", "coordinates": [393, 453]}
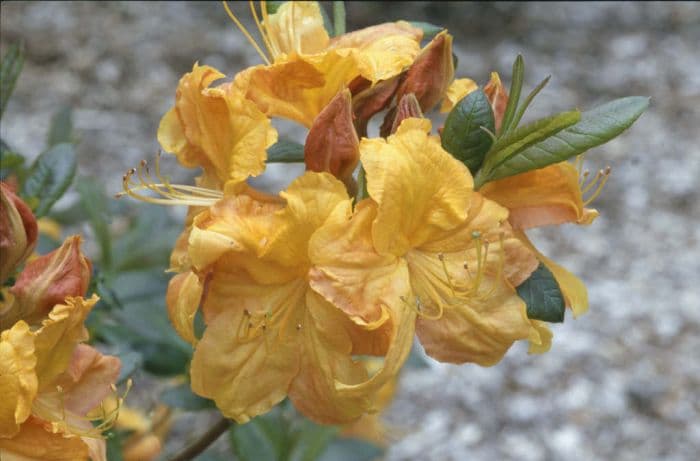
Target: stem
{"type": "Point", "coordinates": [338, 18]}
{"type": "Point", "coordinates": [204, 441]}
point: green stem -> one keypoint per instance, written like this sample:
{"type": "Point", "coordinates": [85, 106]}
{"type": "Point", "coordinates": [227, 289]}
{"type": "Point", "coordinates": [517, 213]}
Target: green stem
{"type": "Point", "coordinates": [339, 18]}
{"type": "Point", "coordinates": [204, 441]}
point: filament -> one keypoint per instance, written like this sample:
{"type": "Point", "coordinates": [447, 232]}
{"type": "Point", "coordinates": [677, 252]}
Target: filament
{"type": "Point", "coordinates": [417, 307]}
{"type": "Point", "coordinates": [441, 257]}
{"type": "Point", "coordinates": [601, 178]}
{"type": "Point", "coordinates": [245, 32]}
{"type": "Point", "coordinates": [261, 29]}
{"type": "Point", "coordinates": [166, 193]}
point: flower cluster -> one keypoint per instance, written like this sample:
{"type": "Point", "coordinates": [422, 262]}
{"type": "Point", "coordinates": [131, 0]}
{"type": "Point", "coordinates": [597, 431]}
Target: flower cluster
{"type": "Point", "coordinates": [426, 240]}
{"type": "Point", "coordinates": [51, 385]}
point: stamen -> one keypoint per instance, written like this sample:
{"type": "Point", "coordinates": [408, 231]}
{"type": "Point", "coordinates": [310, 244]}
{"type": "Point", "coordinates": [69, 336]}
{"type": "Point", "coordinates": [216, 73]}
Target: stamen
{"type": "Point", "coordinates": [604, 175]}
{"type": "Point", "coordinates": [245, 32]}
{"type": "Point", "coordinates": [266, 20]}
{"type": "Point", "coordinates": [418, 309]}
{"type": "Point", "coordinates": [170, 194]}
{"type": "Point", "coordinates": [294, 34]}
{"type": "Point", "coordinates": [266, 40]}
{"type": "Point", "coordinates": [499, 267]}
{"type": "Point", "coordinates": [441, 257]}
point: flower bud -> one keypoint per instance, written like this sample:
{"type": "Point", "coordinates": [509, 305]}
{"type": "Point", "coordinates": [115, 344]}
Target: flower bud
{"type": "Point", "coordinates": [498, 97]}
{"type": "Point", "coordinates": [431, 73]}
{"type": "Point", "coordinates": [368, 100]}
{"type": "Point", "coordinates": [49, 279]}
{"type": "Point", "coordinates": [18, 231]}
{"type": "Point", "coordinates": [332, 143]}
{"type": "Point", "coordinates": [408, 107]}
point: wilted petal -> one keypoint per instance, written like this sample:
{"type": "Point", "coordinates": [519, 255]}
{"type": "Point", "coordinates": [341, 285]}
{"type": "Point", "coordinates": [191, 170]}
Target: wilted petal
{"type": "Point", "coordinates": [18, 231]}
{"type": "Point", "coordinates": [401, 174]}
{"type": "Point", "coordinates": [296, 27]}
{"type": "Point", "coordinates": [35, 442]}
{"type": "Point", "coordinates": [18, 381]}
{"type": "Point", "coordinates": [408, 107]}
{"type": "Point", "coordinates": [58, 337]}
{"type": "Point", "coordinates": [457, 90]}
{"type": "Point", "coordinates": [542, 197]}
{"type": "Point", "coordinates": [331, 144]}
{"type": "Point", "coordinates": [369, 100]}
{"type": "Point", "coordinates": [349, 273]}
{"type": "Point", "coordinates": [48, 280]}
{"type": "Point", "coordinates": [498, 97]}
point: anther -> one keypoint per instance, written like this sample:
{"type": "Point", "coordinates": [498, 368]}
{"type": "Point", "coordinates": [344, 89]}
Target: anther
{"type": "Point", "coordinates": [476, 235]}
{"type": "Point", "coordinates": [246, 312]}
{"type": "Point", "coordinates": [298, 326]}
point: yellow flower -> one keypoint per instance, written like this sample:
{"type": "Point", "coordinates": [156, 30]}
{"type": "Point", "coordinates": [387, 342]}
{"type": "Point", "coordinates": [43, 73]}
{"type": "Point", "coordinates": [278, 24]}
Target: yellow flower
{"type": "Point", "coordinates": [425, 229]}
{"type": "Point", "coordinates": [268, 334]}
{"type": "Point", "coordinates": [549, 196]}
{"type": "Point", "coordinates": [216, 128]}
{"type": "Point", "coordinates": [307, 68]}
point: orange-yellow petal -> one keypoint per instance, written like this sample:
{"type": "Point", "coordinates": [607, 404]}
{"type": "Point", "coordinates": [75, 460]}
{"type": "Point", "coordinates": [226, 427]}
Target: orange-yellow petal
{"type": "Point", "coordinates": [296, 27]}
{"type": "Point", "coordinates": [420, 189]}
{"type": "Point", "coordinates": [18, 381]}
{"type": "Point", "coordinates": [326, 360]}
{"type": "Point", "coordinates": [349, 273]}
{"type": "Point", "coordinates": [183, 298]}
{"type": "Point", "coordinates": [543, 197]}
{"type": "Point", "coordinates": [540, 338]}
{"type": "Point", "coordinates": [35, 442]}
{"type": "Point", "coordinates": [250, 350]}
{"type": "Point", "coordinates": [58, 336]}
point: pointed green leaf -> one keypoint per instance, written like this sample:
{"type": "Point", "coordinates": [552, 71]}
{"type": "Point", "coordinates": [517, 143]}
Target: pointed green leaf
{"type": "Point", "coordinates": [10, 69]}
{"type": "Point", "coordinates": [61, 129]}
{"type": "Point", "coordinates": [516, 87]}
{"type": "Point", "coordinates": [429, 30]}
{"type": "Point", "coordinates": [263, 438]}
{"type": "Point", "coordinates": [310, 441]}
{"type": "Point", "coordinates": [597, 126]}
{"type": "Point", "coordinates": [285, 152]}
{"type": "Point", "coordinates": [463, 136]}
{"type": "Point", "coordinates": [523, 107]}
{"type": "Point", "coordinates": [542, 296]}
{"type": "Point", "coordinates": [505, 157]}
{"type": "Point", "coordinates": [10, 162]}
{"type": "Point", "coordinates": [338, 18]}
{"type": "Point", "coordinates": [50, 175]}
{"type": "Point", "coordinates": [273, 6]}
{"type": "Point", "coordinates": [94, 201]}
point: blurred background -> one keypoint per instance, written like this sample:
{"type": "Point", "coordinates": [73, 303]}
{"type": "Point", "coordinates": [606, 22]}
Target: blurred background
{"type": "Point", "coordinates": [621, 382]}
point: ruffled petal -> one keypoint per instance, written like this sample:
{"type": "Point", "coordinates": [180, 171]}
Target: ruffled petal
{"type": "Point", "coordinates": [18, 381]}
{"type": "Point", "coordinates": [296, 27]}
{"type": "Point", "coordinates": [543, 197]}
{"type": "Point", "coordinates": [349, 273]}
{"type": "Point", "coordinates": [401, 174]}
{"type": "Point", "coordinates": [35, 442]}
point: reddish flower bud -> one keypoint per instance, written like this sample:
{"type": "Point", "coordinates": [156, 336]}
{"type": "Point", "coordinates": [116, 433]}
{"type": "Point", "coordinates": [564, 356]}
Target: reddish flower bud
{"type": "Point", "coordinates": [18, 231]}
{"type": "Point", "coordinates": [49, 279]}
{"type": "Point", "coordinates": [408, 107]}
{"type": "Point", "coordinates": [431, 73]}
{"type": "Point", "coordinates": [368, 100]}
{"type": "Point", "coordinates": [498, 97]}
{"type": "Point", "coordinates": [332, 144]}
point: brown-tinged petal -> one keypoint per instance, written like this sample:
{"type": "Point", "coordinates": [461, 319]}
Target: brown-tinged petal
{"type": "Point", "coordinates": [18, 231]}
{"type": "Point", "coordinates": [368, 100]}
{"type": "Point", "coordinates": [18, 381]}
{"type": "Point", "coordinates": [332, 144]}
{"type": "Point", "coordinates": [431, 73]}
{"type": "Point", "coordinates": [408, 107]}
{"type": "Point", "coordinates": [498, 97]}
{"type": "Point", "coordinates": [48, 280]}
{"type": "Point", "coordinates": [35, 442]}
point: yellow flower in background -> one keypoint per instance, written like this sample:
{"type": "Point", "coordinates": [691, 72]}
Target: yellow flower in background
{"type": "Point", "coordinates": [425, 229]}
{"type": "Point", "coordinates": [306, 68]}
{"type": "Point", "coordinates": [268, 334]}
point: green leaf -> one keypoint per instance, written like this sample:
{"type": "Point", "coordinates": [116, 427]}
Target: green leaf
{"type": "Point", "coordinates": [523, 107]}
{"type": "Point", "coordinates": [285, 152]}
{"type": "Point", "coordinates": [263, 438]}
{"type": "Point", "coordinates": [516, 87]}
{"type": "Point", "coordinates": [50, 176]}
{"type": "Point", "coordinates": [10, 162]}
{"type": "Point", "coordinates": [347, 449]}
{"type": "Point", "coordinates": [505, 158]}
{"type": "Point", "coordinates": [542, 296]}
{"type": "Point", "coordinates": [94, 202]}
{"type": "Point", "coordinates": [183, 398]}
{"type": "Point", "coordinates": [61, 129]}
{"type": "Point", "coordinates": [429, 30]}
{"type": "Point", "coordinates": [114, 441]}
{"type": "Point", "coordinates": [596, 127]}
{"type": "Point", "coordinates": [10, 69]}
{"type": "Point", "coordinates": [463, 136]}
{"type": "Point", "coordinates": [273, 6]}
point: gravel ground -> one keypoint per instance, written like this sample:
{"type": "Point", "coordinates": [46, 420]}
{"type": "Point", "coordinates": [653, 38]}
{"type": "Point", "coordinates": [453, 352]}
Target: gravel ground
{"type": "Point", "coordinates": [621, 382]}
